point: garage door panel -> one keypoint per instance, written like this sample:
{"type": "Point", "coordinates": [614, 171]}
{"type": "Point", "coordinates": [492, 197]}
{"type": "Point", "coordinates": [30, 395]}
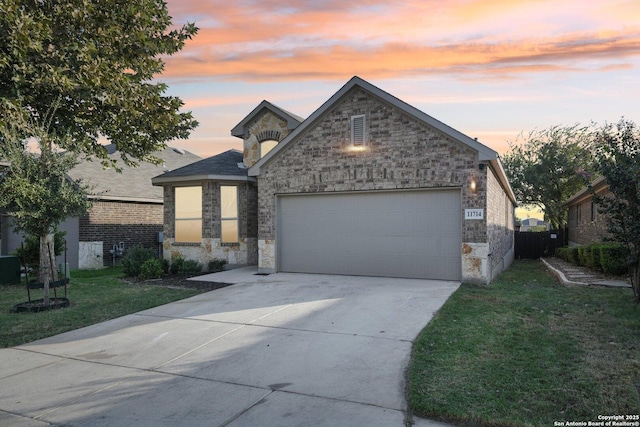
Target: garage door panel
{"type": "Point", "coordinates": [398, 234]}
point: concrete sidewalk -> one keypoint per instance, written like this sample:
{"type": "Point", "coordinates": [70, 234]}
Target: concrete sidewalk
{"type": "Point", "coordinates": [278, 350]}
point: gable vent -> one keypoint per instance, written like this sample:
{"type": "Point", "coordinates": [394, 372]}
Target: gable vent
{"type": "Point", "coordinates": [358, 136]}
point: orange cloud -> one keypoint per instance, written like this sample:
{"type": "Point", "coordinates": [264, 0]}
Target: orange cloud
{"type": "Point", "coordinates": [269, 40]}
{"type": "Point", "coordinates": [392, 59]}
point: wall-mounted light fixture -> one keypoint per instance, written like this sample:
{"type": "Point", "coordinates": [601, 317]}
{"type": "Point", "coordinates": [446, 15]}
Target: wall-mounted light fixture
{"type": "Point", "coordinates": [481, 166]}
{"type": "Point", "coordinates": [473, 186]}
{"type": "Point", "coordinates": [357, 148]}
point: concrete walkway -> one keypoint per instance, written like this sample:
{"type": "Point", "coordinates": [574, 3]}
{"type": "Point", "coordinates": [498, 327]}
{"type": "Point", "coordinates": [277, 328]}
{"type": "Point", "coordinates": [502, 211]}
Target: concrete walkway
{"type": "Point", "coordinates": [571, 274]}
{"type": "Point", "coordinates": [278, 350]}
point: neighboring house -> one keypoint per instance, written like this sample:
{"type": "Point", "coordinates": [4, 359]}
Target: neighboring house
{"type": "Point", "coordinates": [126, 211]}
{"type": "Point", "coordinates": [366, 185]}
{"type": "Point", "coordinates": [533, 224]}
{"type": "Point", "coordinates": [585, 224]}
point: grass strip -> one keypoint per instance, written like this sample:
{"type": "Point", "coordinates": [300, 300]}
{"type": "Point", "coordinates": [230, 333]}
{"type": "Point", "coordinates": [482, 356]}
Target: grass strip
{"type": "Point", "coordinates": [95, 296]}
{"type": "Point", "coordinates": [527, 351]}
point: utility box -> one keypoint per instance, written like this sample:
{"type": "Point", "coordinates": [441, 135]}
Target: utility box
{"type": "Point", "coordinates": [9, 270]}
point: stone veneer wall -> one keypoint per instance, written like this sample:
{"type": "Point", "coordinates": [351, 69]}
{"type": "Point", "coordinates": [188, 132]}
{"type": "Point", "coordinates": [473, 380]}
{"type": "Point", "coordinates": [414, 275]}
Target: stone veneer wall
{"type": "Point", "coordinates": [211, 247]}
{"type": "Point", "coordinates": [266, 125]}
{"type": "Point", "coordinates": [500, 227]}
{"type": "Point", "coordinates": [112, 222]}
{"type": "Point", "coordinates": [401, 153]}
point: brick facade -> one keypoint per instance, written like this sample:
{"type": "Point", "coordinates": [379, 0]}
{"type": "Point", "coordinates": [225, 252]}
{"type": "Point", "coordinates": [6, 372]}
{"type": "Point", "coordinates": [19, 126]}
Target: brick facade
{"type": "Point", "coordinates": [500, 226]}
{"type": "Point", "coordinates": [404, 149]}
{"type": "Point", "coordinates": [401, 153]}
{"type": "Point", "coordinates": [586, 225]}
{"type": "Point", "coordinates": [245, 252]}
{"type": "Point", "coordinates": [112, 222]}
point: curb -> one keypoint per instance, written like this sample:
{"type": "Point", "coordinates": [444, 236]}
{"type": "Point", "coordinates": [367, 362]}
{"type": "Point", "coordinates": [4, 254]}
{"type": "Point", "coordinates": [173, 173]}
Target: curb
{"type": "Point", "coordinates": [560, 275]}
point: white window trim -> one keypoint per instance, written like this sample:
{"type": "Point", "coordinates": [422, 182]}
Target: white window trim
{"type": "Point", "coordinates": [359, 123]}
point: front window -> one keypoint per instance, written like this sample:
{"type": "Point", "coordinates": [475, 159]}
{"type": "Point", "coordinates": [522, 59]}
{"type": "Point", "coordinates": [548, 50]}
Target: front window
{"type": "Point", "coordinates": [266, 146]}
{"type": "Point", "coordinates": [189, 214]}
{"type": "Point", "coordinates": [229, 213]}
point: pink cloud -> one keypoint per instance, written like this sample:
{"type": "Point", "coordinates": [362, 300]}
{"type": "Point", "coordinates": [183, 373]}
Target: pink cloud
{"type": "Point", "coordinates": [393, 59]}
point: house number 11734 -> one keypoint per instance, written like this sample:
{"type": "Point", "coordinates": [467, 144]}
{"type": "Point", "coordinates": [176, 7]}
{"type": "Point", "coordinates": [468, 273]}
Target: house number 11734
{"type": "Point", "coordinates": [474, 214]}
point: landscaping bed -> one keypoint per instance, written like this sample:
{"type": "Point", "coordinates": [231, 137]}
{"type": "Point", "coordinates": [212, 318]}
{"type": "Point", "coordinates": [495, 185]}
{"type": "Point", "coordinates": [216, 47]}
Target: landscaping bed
{"type": "Point", "coordinates": [178, 282]}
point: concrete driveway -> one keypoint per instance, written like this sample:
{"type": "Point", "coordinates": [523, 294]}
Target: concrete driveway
{"type": "Point", "coordinates": [279, 350]}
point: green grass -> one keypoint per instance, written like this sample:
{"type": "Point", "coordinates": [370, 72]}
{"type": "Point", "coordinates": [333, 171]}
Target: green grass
{"type": "Point", "coordinates": [95, 296]}
{"type": "Point", "coordinates": [527, 351]}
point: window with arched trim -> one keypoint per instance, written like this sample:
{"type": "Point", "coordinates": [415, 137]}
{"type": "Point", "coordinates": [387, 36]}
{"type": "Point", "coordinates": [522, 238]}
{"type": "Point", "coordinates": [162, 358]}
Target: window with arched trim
{"type": "Point", "coordinates": [266, 146]}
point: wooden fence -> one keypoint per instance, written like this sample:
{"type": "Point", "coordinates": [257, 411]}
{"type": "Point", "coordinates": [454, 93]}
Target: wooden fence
{"type": "Point", "coordinates": [533, 245]}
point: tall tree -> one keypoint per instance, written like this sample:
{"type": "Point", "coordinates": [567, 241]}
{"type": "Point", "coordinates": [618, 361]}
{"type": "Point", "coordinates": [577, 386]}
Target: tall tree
{"type": "Point", "coordinates": [616, 150]}
{"type": "Point", "coordinates": [75, 71]}
{"type": "Point", "coordinates": [95, 60]}
{"type": "Point", "coordinates": [543, 169]}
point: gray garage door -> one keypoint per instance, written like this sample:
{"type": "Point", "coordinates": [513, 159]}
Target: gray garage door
{"type": "Point", "coordinates": [413, 234]}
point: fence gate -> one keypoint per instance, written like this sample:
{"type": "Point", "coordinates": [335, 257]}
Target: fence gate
{"type": "Point", "coordinates": [533, 245]}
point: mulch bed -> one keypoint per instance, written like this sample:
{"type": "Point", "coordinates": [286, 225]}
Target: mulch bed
{"type": "Point", "coordinates": [179, 281]}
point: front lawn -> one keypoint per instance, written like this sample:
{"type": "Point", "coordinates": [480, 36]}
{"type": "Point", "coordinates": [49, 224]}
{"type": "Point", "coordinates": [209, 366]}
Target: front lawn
{"type": "Point", "coordinates": [95, 296]}
{"type": "Point", "coordinates": [526, 351]}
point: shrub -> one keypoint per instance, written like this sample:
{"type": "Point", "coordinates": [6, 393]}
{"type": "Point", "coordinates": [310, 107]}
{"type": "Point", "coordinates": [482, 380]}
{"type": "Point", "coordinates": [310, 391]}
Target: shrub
{"type": "Point", "coordinates": [151, 269]}
{"type": "Point", "coordinates": [582, 259]}
{"type": "Point", "coordinates": [594, 256]}
{"type": "Point", "coordinates": [589, 256]}
{"type": "Point", "coordinates": [216, 265]}
{"type": "Point", "coordinates": [190, 266]}
{"type": "Point", "coordinates": [563, 253]}
{"type": "Point", "coordinates": [176, 262]}
{"type": "Point", "coordinates": [165, 266]}
{"type": "Point", "coordinates": [573, 254]}
{"type": "Point", "coordinates": [614, 259]}
{"type": "Point", "coordinates": [135, 257]}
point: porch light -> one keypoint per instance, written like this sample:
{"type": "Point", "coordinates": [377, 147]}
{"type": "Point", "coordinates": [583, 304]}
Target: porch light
{"type": "Point", "coordinates": [473, 187]}
{"type": "Point", "coordinates": [357, 148]}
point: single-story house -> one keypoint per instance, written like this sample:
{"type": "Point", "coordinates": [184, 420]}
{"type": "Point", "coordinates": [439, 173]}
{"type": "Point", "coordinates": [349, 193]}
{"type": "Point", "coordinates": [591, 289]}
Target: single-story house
{"type": "Point", "coordinates": [585, 224]}
{"type": "Point", "coordinates": [126, 211]}
{"type": "Point", "coordinates": [533, 224]}
{"type": "Point", "coordinates": [366, 185]}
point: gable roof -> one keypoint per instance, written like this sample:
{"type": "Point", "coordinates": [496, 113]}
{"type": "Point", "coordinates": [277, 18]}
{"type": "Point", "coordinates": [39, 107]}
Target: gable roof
{"type": "Point", "coordinates": [133, 183]}
{"type": "Point", "coordinates": [292, 120]}
{"type": "Point", "coordinates": [485, 154]}
{"type": "Point", "coordinates": [225, 166]}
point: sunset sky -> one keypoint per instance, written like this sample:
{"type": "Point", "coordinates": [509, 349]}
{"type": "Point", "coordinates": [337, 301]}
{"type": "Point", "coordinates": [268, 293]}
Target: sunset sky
{"type": "Point", "coordinates": [490, 69]}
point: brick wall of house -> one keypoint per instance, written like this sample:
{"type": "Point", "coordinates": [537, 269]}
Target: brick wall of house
{"type": "Point", "coordinates": [112, 222]}
{"type": "Point", "coordinates": [401, 153]}
{"type": "Point", "coordinates": [500, 224]}
{"type": "Point", "coordinates": [169, 211]}
{"type": "Point", "coordinates": [586, 225]}
{"type": "Point", "coordinates": [211, 226]}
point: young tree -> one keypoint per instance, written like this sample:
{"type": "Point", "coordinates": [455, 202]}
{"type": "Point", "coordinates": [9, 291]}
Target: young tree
{"type": "Point", "coordinates": [543, 169]}
{"type": "Point", "coordinates": [616, 149]}
{"type": "Point", "coordinates": [35, 190]}
{"type": "Point", "coordinates": [76, 71]}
